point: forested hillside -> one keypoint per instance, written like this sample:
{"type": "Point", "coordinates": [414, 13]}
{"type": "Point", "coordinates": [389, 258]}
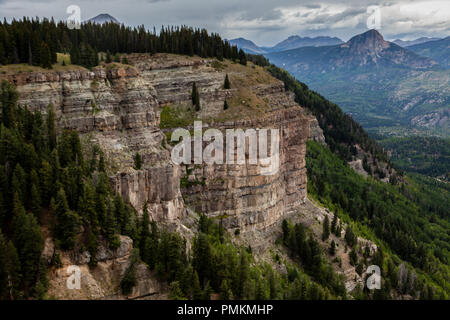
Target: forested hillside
{"type": "Point", "coordinates": [426, 155]}
{"type": "Point", "coordinates": [48, 184]}
{"type": "Point", "coordinates": [408, 217]}
{"type": "Point", "coordinates": [408, 222]}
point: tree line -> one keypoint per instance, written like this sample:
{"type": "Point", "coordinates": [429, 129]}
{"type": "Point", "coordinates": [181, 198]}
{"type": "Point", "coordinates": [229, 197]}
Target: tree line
{"type": "Point", "coordinates": [36, 42]}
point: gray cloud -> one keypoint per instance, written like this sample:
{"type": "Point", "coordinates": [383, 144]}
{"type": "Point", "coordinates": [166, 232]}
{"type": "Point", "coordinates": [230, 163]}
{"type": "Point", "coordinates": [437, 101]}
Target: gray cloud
{"type": "Point", "coordinates": [264, 21]}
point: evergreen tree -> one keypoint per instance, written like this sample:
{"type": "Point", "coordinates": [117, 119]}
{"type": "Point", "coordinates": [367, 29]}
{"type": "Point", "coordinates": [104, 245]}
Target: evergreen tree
{"type": "Point", "coordinates": [35, 200]}
{"type": "Point", "coordinates": [129, 279]}
{"type": "Point", "coordinates": [8, 100]}
{"type": "Point", "coordinates": [137, 161]}
{"type": "Point", "coordinates": [207, 291]}
{"type": "Point", "coordinates": [197, 293]}
{"type": "Point", "coordinates": [332, 249]}
{"type": "Point", "coordinates": [202, 257]}
{"type": "Point", "coordinates": [66, 222]}
{"type": "Point", "coordinates": [195, 97]}
{"type": "Point", "coordinates": [353, 257]}
{"type": "Point", "coordinates": [14, 272]}
{"type": "Point", "coordinates": [51, 129]}
{"type": "Point", "coordinates": [350, 237]}
{"type": "Point", "coordinates": [29, 243]}
{"type": "Point", "coordinates": [226, 84]}
{"type": "Point", "coordinates": [225, 291]}
{"type": "Point", "coordinates": [46, 182]}
{"type": "Point", "coordinates": [45, 56]}
{"type": "Point", "coordinates": [242, 57]}
{"type": "Point", "coordinates": [175, 292]}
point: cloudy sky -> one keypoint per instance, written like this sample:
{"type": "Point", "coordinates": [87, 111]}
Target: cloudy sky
{"type": "Point", "coordinates": [266, 22]}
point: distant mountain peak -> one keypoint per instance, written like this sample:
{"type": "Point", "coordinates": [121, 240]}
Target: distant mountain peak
{"type": "Point", "coordinates": [103, 18]}
{"type": "Point", "coordinates": [295, 41]}
{"type": "Point", "coordinates": [368, 42]}
{"type": "Point", "coordinates": [371, 36]}
{"type": "Point", "coordinates": [247, 45]}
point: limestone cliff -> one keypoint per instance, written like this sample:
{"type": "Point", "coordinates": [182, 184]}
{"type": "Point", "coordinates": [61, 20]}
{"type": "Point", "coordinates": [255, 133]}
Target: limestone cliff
{"type": "Point", "coordinates": [118, 107]}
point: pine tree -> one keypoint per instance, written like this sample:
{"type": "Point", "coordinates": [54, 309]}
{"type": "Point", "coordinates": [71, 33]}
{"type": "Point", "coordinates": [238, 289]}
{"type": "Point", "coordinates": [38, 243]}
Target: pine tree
{"type": "Point", "coordinates": [202, 257]}
{"type": "Point", "coordinates": [45, 56]}
{"type": "Point", "coordinates": [129, 279]}
{"type": "Point", "coordinates": [195, 97]}
{"type": "Point", "coordinates": [110, 229]}
{"type": "Point", "coordinates": [334, 223]}
{"type": "Point", "coordinates": [332, 249]}
{"type": "Point", "coordinates": [225, 291]}
{"type": "Point", "coordinates": [137, 161]}
{"type": "Point", "coordinates": [19, 183]}
{"type": "Point", "coordinates": [35, 200]}
{"type": "Point", "coordinates": [197, 292]}
{"type": "Point", "coordinates": [350, 237]}
{"type": "Point", "coordinates": [29, 243]}
{"type": "Point", "coordinates": [8, 100]}
{"type": "Point", "coordinates": [353, 257]}
{"type": "Point", "coordinates": [51, 129]}
{"type": "Point", "coordinates": [46, 182]}
{"type": "Point", "coordinates": [14, 272]}
{"type": "Point", "coordinates": [242, 57]}
{"type": "Point", "coordinates": [66, 222]}
{"type": "Point", "coordinates": [226, 84]}
{"type": "Point", "coordinates": [175, 292]}
{"type": "Point", "coordinates": [207, 291]}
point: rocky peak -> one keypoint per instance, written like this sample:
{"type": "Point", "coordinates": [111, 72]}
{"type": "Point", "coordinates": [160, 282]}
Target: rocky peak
{"type": "Point", "coordinates": [368, 42]}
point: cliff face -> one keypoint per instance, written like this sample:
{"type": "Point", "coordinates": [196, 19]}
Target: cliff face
{"type": "Point", "coordinates": [118, 107]}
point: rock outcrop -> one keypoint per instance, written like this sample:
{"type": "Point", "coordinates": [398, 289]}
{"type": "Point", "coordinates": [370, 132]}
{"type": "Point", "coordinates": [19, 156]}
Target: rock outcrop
{"type": "Point", "coordinates": [101, 282]}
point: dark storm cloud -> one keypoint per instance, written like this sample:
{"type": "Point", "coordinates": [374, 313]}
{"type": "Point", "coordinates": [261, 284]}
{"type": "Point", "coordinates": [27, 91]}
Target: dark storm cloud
{"type": "Point", "coordinates": [264, 21]}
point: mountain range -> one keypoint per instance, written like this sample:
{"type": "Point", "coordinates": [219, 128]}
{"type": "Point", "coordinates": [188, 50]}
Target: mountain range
{"type": "Point", "coordinates": [378, 82]}
{"type": "Point", "coordinates": [438, 50]}
{"type": "Point", "coordinates": [407, 43]}
{"type": "Point", "coordinates": [293, 42]}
